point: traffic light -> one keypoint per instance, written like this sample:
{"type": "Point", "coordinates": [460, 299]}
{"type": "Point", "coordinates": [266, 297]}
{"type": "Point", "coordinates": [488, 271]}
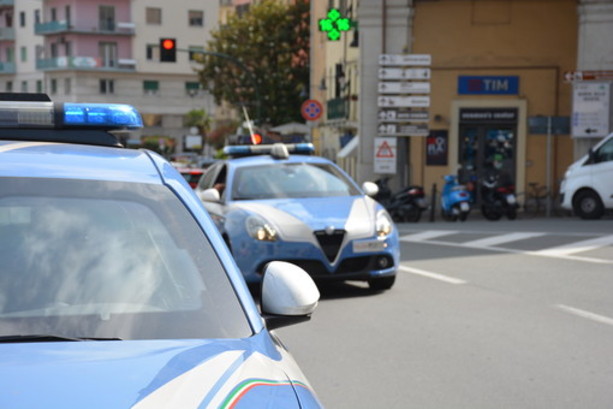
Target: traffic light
{"type": "Point", "coordinates": [168, 50]}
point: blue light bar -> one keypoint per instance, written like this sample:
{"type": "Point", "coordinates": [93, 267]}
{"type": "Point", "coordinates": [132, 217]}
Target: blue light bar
{"type": "Point", "coordinates": [245, 150]}
{"type": "Point", "coordinates": [102, 116]}
{"type": "Point", "coordinates": [18, 114]}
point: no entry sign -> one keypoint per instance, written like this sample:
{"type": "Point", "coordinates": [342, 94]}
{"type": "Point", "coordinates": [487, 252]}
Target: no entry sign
{"type": "Point", "coordinates": [311, 110]}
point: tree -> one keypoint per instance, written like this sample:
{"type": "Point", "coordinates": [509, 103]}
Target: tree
{"type": "Point", "coordinates": [261, 58]}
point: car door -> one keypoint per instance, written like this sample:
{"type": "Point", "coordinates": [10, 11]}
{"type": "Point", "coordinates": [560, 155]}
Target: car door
{"type": "Point", "coordinates": [215, 177]}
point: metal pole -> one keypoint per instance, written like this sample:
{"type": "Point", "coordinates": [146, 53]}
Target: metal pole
{"type": "Point", "coordinates": [548, 174]}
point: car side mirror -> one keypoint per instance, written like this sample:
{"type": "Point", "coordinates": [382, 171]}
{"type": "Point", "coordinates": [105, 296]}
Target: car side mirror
{"type": "Point", "coordinates": [289, 295]}
{"type": "Point", "coordinates": [209, 195]}
{"type": "Point", "coordinates": [370, 188]}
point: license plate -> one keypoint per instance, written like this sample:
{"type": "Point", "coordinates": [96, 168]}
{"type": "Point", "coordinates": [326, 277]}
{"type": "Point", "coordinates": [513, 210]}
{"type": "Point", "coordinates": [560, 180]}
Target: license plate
{"type": "Point", "coordinates": [464, 206]}
{"type": "Point", "coordinates": [368, 246]}
{"type": "Point", "coordinates": [511, 199]}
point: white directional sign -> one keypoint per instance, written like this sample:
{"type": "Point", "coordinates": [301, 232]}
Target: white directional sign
{"type": "Point", "coordinates": [405, 59]}
{"type": "Point", "coordinates": [404, 115]}
{"type": "Point", "coordinates": [418, 101]}
{"type": "Point", "coordinates": [591, 109]}
{"type": "Point", "coordinates": [403, 130]}
{"type": "Point", "coordinates": [404, 73]}
{"type": "Point", "coordinates": [404, 87]}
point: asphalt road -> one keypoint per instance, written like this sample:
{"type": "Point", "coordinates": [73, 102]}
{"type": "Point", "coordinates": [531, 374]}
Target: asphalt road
{"type": "Point", "coordinates": [508, 314]}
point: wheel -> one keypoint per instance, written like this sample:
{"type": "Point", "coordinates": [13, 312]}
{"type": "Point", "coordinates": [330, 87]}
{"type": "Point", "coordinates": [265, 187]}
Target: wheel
{"type": "Point", "coordinates": [490, 213]}
{"type": "Point", "coordinates": [463, 216]}
{"type": "Point", "coordinates": [587, 205]}
{"type": "Point", "coordinates": [413, 214]}
{"type": "Point", "coordinates": [512, 213]}
{"type": "Point", "coordinates": [381, 283]}
{"type": "Point", "coordinates": [459, 214]}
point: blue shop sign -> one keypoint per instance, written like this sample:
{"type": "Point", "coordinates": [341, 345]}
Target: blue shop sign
{"type": "Point", "coordinates": [488, 85]}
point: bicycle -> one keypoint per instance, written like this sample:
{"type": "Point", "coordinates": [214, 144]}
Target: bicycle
{"type": "Point", "coordinates": [534, 201]}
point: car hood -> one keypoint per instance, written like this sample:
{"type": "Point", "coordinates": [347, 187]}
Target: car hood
{"type": "Point", "coordinates": [354, 214]}
{"type": "Point", "coordinates": [182, 374]}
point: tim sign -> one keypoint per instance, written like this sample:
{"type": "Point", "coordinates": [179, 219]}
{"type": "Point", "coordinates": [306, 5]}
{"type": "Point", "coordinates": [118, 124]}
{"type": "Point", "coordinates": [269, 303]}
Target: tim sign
{"type": "Point", "coordinates": [488, 85]}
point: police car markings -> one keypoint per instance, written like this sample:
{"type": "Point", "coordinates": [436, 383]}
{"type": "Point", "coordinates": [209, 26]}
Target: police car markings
{"type": "Point", "coordinates": [561, 252]}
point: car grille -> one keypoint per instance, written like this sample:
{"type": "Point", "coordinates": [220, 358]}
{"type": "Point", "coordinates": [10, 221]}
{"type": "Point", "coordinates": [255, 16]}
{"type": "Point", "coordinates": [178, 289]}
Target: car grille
{"type": "Point", "coordinates": [330, 243]}
{"type": "Point", "coordinates": [354, 266]}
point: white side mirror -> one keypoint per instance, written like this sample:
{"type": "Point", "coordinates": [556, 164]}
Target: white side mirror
{"type": "Point", "coordinates": [370, 188]}
{"type": "Point", "coordinates": [288, 291]}
{"type": "Point", "coordinates": [209, 195]}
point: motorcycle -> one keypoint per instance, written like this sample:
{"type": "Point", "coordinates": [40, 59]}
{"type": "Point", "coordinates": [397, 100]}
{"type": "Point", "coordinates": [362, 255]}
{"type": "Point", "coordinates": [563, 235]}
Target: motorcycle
{"type": "Point", "coordinates": [455, 200]}
{"type": "Point", "coordinates": [498, 199]}
{"type": "Point", "coordinates": [405, 205]}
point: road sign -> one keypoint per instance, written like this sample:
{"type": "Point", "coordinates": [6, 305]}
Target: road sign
{"type": "Point", "coordinates": [385, 155]}
{"type": "Point", "coordinates": [311, 110]}
{"type": "Point", "coordinates": [405, 59]}
{"type": "Point", "coordinates": [403, 130]}
{"type": "Point", "coordinates": [403, 115]}
{"type": "Point", "coordinates": [591, 109]}
{"type": "Point", "coordinates": [418, 101]}
{"type": "Point", "coordinates": [570, 76]}
{"type": "Point", "coordinates": [404, 87]}
{"type": "Point", "coordinates": [404, 73]}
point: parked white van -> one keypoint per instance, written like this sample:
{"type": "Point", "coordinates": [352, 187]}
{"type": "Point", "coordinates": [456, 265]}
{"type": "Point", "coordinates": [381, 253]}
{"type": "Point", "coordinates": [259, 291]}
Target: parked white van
{"type": "Point", "coordinates": [587, 188]}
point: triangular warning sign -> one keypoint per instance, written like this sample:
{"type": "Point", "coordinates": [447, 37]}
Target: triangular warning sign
{"type": "Point", "coordinates": [384, 151]}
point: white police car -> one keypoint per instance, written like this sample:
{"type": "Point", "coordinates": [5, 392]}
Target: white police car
{"type": "Point", "coordinates": [302, 209]}
{"type": "Point", "coordinates": [116, 289]}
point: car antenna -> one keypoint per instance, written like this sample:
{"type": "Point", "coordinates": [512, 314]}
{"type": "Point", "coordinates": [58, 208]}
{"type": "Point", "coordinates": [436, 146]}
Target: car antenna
{"type": "Point", "coordinates": [249, 125]}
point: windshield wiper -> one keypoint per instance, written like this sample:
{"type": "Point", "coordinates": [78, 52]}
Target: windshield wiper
{"type": "Point", "coordinates": [48, 338]}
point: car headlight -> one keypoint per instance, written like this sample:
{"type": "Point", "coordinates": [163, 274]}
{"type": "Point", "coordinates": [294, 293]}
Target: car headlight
{"type": "Point", "coordinates": [383, 224]}
{"type": "Point", "coordinates": [260, 229]}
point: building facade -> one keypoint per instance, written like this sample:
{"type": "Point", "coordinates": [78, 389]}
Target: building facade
{"type": "Point", "coordinates": [87, 51]}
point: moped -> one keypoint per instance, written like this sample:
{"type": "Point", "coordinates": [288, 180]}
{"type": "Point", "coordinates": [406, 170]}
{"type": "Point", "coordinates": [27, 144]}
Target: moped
{"type": "Point", "coordinates": [455, 200]}
{"type": "Point", "coordinates": [498, 199]}
{"type": "Point", "coordinates": [406, 205]}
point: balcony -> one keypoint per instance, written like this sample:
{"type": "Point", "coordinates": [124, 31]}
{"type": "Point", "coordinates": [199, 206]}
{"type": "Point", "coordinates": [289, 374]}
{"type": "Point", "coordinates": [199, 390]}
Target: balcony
{"type": "Point", "coordinates": [7, 34]}
{"type": "Point", "coordinates": [337, 108]}
{"type": "Point", "coordinates": [7, 68]}
{"type": "Point", "coordinates": [62, 27]}
{"type": "Point", "coordinates": [7, 3]}
{"type": "Point", "coordinates": [85, 64]}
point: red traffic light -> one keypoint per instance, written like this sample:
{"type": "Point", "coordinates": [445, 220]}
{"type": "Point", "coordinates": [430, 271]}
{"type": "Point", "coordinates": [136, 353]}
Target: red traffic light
{"type": "Point", "coordinates": [168, 44]}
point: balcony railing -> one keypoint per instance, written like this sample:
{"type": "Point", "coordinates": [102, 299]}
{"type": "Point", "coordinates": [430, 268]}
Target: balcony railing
{"type": "Point", "coordinates": [113, 28]}
{"type": "Point", "coordinates": [337, 108]}
{"type": "Point", "coordinates": [7, 33]}
{"type": "Point", "coordinates": [4, 3]}
{"type": "Point", "coordinates": [7, 68]}
{"type": "Point", "coordinates": [85, 64]}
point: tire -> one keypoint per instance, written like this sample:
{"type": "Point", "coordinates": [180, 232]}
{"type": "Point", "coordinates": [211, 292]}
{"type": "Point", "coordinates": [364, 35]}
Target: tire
{"type": "Point", "coordinates": [381, 283]}
{"type": "Point", "coordinates": [587, 205]}
{"type": "Point", "coordinates": [512, 214]}
{"type": "Point", "coordinates": [490, 214]}
{"type": "Point", "coordinates": [461, 216]}
{"type": "Point", "coordinates": [413, 214]}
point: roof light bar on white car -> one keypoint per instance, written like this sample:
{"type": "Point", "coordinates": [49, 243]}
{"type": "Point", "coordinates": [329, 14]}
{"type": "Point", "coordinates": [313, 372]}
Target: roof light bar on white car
{"type": "Point", "coordinates": [18, 114]}
{"type": "Point", "coordinates": [269, 149]}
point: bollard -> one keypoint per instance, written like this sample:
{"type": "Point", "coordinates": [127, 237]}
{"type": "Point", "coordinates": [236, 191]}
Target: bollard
{"type": "Point", "coordinates": [433, 203]}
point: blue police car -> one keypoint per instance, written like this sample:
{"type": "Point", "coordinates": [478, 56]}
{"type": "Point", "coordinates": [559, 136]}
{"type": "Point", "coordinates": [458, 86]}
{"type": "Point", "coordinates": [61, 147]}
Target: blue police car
{"type": "Point", "coordinates": [279, 202]}
{"type": "Point", "coordinates": [116, 288]}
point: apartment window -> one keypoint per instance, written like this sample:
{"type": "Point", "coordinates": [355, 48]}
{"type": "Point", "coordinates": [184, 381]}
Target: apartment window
{"type": "Point", "coordinates": [107, 86]}
{"type": "Point", "coordinates": [39, 86]}
{"type": "Point", "coordinates": [23, 51]}
{"type": "Point", "coordinates": [37, 19]}
{"type": "Point", "coordinates": [67, 86]}
{"type": "Point", "coordinates": [196, 18]}
{"type": "Point", "coordinates": [54, 52]}
{"type": "Point", "coordinates": [153, 15]}
{"type": "Point", "coordinates": [24, 86]}
{"type": "Point", "coordinates": [108, 54]}
{"type": "Point", "coordinates": [151, 87]}
{"type": "Point", "coordinates": [9, 86]}
{"type": "Point", "coordinates": [10, 54]}
{"type": "Point", "coordinates": [193, 51]}
{"type": "Point", "coordinates": [106, 18]}
{"type": "Point", "coordinates": [53, 14]}
{"type": "Point", "coordinates": [192, 88]}
{"type": "Point", "coordinates": [22, 19]}
{"type": "Point", "coordinates": [53, 84]}
{"type": "Point", "coordinates": [68, 15]}
{"type": "Point", "coordinates": [151, 51]}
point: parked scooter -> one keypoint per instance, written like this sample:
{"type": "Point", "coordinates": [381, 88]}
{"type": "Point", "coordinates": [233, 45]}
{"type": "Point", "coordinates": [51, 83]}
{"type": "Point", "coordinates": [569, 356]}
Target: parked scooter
{"type": "Point", "coordinates": [498, 199]}
{"type": "Point", "coordinates": [405, 205]}
{"type": "Point", "coordinates": [455, 200]}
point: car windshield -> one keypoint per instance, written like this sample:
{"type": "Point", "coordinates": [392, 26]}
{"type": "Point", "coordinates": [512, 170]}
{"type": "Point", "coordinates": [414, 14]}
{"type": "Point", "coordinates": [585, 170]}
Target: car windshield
{"type": "Point", "coordinates": [290, 180]}
{"type": "Point", "coordinates": [106, 260]}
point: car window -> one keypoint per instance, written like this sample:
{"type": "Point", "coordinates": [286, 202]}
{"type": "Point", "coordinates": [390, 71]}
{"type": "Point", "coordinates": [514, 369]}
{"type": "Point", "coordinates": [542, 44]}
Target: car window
{"type": "Point", "coordinates": [605, 152]}
{"type": "Point", "coordinates": [97, 259]}
{"type": "Point", "coordinates": [290, 180]}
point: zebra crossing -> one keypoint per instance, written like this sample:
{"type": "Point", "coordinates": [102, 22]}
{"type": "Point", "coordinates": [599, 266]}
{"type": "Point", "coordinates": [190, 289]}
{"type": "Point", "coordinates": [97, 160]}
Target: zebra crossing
{"type": "Point", "coordinates": [591, 248]}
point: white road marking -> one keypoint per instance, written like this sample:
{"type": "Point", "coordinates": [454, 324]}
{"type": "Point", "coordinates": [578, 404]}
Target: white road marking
{"type": "Point", "coordinates": [586, 314]}
{"type": "Point", "coordinates": [503, 238]}
{"type": "Point", "coordinates": [429, 274]}
{"type": "Point", "coordinates": [579, 246]}
{"type": "Point", "coordinates": [428, 234]}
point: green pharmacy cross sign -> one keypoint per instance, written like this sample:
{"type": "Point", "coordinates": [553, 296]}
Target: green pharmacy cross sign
{"type": "Point", "coordinates": [334, 24]}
